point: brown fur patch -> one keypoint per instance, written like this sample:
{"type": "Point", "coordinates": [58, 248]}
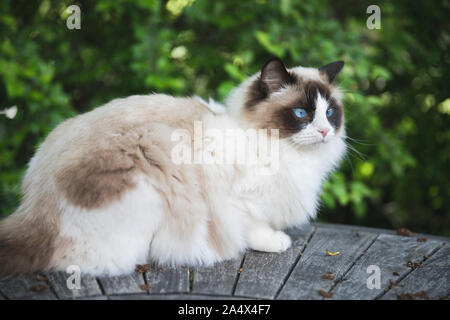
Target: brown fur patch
{"type": "Point", "coordinates": [27, 244]}
{"type": "Point", "coordinates": [99, 177]}
{"type": "Point", "coordinates": [103, 169]}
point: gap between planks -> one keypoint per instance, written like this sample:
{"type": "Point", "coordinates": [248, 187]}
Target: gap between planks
{"type": "Point", "coordinates": [341, 278]}
{"type": "Point", "coordinates": [100, 285]}
{"type": "Point", "coordinates": [52, 289]}
{"type": "Point", "coordinates": [238, 274]}
{"type": "Point", "coordinates": [286, 278]}
{"type": "Point", "coordinates": [397, 282]}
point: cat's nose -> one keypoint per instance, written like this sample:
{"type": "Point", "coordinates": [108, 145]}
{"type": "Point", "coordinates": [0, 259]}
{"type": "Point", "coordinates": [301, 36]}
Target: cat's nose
{"type": "Point", "coordinates": [324, 132]}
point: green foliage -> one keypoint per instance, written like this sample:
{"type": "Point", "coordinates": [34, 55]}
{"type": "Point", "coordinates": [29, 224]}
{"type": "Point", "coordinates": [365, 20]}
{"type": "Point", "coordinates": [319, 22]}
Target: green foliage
{"type": "Point", "coordinates": [395, 82]}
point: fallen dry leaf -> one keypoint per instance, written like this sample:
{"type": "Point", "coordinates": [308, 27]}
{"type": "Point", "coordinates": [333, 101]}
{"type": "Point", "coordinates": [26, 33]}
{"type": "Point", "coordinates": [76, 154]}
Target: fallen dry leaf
{"type": "Point", "coordinates": [391, 283]}
{"type": "Point", "coordinates": [404, 232]}
{"type": "Point", "coordinates": [414, 265]}
{"type": "Point", "coordinates": [332, 253]}
{"type": "Point", "coordinates": [423, 295]}
{"type": "Point", "coordinates": [142, 268]}
{"type": "Point", "coordinates": [40, 288]}
{"type": "Point", "coordinates": [328, 276]}
{"type": "Point", "coordinates": [145, 287]}
{"type": "Point", "coordinates": [412, 296]}
{"type": "Point", "coordinates": [325, 294]}
{"type": "Point", "coordinates": [406, 296]}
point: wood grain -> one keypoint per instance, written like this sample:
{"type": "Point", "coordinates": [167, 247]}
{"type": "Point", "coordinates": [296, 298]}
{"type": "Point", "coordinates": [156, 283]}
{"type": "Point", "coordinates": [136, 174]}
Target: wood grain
{"type": "Point", "coordinates": [391, 254]}
{"type": "Point", "coordinates": [433, 279]}
{"type": "Point", "coordinates": [264, 273]}
{"type": "Point", "coordinates": [88, 286]}
{"type": "Point", "coordinates": [126, 284]}
{"type": "Point", "coordinates": [218, 279]}
{"type": "Point", "coordinates": [308, 277]}
{"type": "Point", "coordinates": [168, 279]}
{"type": "Point", "coordinates": [26, 287]}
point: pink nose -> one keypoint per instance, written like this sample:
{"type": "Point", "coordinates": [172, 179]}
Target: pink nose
{"type": "Point", "coordinates": [323, 132]}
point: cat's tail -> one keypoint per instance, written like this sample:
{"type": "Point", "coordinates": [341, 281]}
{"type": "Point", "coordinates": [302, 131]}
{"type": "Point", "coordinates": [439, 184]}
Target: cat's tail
{"type": "Point", "coordinates": [26, 245]}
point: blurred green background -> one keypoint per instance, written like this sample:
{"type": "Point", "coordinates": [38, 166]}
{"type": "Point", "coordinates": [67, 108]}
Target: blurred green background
{"type": "Point", "coordinates": [396, 83]}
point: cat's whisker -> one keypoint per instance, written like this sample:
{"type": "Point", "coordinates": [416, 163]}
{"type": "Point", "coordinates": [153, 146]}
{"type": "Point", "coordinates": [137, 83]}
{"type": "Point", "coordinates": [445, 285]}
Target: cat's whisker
{"type": "Point", "coordinates": [347, 158]}
{"type": "Point", "coordinates": [360, 156]}
{"type": "Point", "coordinates": [359, 141]}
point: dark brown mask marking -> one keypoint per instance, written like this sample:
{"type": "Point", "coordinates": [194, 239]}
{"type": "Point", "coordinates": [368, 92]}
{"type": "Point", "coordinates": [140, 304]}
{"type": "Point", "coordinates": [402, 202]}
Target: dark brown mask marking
{"type": "Point", "coordinates": [278, 113]}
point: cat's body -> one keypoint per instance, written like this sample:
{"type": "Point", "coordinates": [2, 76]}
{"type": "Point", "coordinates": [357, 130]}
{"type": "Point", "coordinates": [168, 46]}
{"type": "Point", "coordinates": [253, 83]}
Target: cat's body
{"type": "Point", "coordinates": [103, 191]}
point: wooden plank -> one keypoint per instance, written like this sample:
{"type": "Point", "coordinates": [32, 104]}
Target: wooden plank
{"type": "Point", "coordinates": [26, 287]}
{"type": "Point", "coordinates": [337, 227]}
{"type": "Point", "coordinates": [282, 276]}
{"type": "Point", "coordinates": [433, 278]}
{"type": "Point", "coordinates": [264, 273]}
{"type": "Point", "coordinates": [126, 284]}
{"type": "Point", "coordinates": [94, 298]}
{"type": "Point", "coordinates": [167, 279]}
{"type": "Point", "coordinates": [391, 254]}
{"type": "Point", "coordinates": [218, 279]}
{"type": "Point", "coordinates": [184, 296]}
{"type": "Point", "coordinates": [88, 286]}
{"type": "Point", "coordinates": [308, 276]}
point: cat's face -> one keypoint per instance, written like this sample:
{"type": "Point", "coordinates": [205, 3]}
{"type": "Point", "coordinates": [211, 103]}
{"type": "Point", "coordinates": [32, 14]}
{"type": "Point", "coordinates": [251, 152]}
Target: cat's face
{"type": "Point", "coordinates": [302, 103]}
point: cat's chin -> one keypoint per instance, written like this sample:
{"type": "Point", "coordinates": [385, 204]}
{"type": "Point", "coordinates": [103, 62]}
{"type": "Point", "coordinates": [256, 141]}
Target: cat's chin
{"type": "Point", "coordinates": [312, 144]}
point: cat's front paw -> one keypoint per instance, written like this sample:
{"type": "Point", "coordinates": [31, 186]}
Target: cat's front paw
{"type": "Point", "coordinates": [280, 242]}
{"type": "Point", "coordinates": [270, 241]}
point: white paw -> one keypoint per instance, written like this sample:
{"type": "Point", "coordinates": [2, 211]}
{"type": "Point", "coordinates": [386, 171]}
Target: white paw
{"type": "Point", "coordinates": [270, 241]}
{"type": "Point", "coordinates": [280, 242]}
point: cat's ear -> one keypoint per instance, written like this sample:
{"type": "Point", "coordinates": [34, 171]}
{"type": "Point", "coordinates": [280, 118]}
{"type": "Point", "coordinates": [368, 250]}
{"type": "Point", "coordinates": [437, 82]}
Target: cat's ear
{"type": "Point", "coordinates": [273, 76]}
{"type": "Point", "coordinates": [332, 69]}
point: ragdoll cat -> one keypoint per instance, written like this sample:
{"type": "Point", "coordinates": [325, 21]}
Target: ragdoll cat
{"type": "Point", "coordinates": [103, 191]}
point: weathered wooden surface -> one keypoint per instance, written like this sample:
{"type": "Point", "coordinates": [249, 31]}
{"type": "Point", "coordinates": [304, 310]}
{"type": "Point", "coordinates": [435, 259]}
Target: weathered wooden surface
{"type": "Point", "coordinates": [184, 296]}
{"type": "Point", "coordinates": [433, 278]}
{"type": "Point", "coordinates": [168, 279]}
{"type": "Point", "coordinates": [316, 269]}
{"type": "Point", "coordinates": [27, 286]}
{"type": "Point", "coordinates": [414, 267]}
{"type": "Point", "coordinates": [391, 254]}
{"type": "Point", "coordinates": [127, 284]}
{"type": "Point", "coordinates": [88, 286]}
{"type": "Point", "coordinates": [217, 280]}
{"type": "Point", "coordinates": [264, 273]}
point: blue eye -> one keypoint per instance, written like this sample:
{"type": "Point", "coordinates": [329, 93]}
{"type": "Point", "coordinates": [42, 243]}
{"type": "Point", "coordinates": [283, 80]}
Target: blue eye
{"type": "Point", "coordinates": [300, 112]}
{"type": "Point", "coordinates": [330, 112]}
